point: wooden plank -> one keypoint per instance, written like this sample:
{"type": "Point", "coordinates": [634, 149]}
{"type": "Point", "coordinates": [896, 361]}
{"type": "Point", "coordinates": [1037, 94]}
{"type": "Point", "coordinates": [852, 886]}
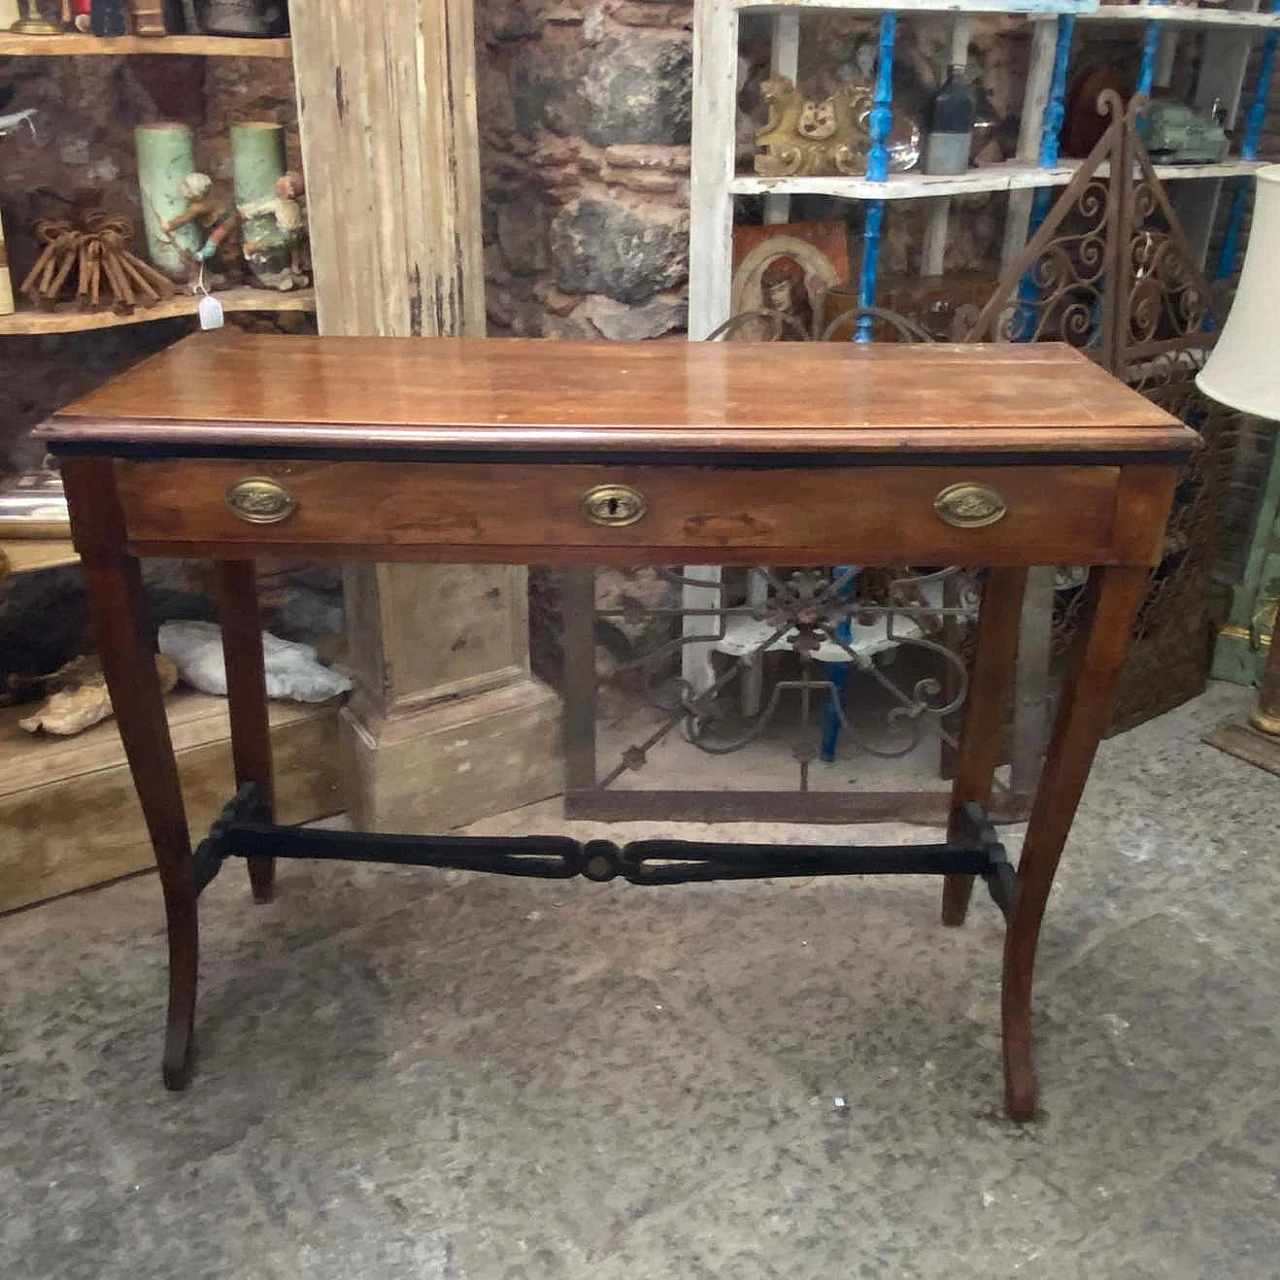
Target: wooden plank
{"type": "Point", "coordinates": [26, 555]}
{"type": "Point", "coordinates": [1240, 739]}
{"type": "Point", "coordinates": [76, 45]}
{"type": "Point", "coordinates": [387, 114]}
{"type": "Point", "coordinates": [69, 319]}
{"type": "Point", "coordinates": [1035, 97]}
{"type": "Point", "coordinates": [715, 106]}
{"type": "Point", "coordinates": [69, 817]}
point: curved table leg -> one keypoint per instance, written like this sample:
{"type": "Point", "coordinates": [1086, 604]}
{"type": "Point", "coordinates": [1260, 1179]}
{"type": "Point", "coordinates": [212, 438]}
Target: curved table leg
{"type": "Point", "coordinates": [247, 698]}
{"type": "Point", "coordinates": [118, 608]}
{"type": "Point", "coordinates": [985, 714]}
{"type": "Point", "coordinates": [1083, 712]}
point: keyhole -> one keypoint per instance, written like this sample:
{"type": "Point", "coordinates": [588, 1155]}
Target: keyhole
{"type": "Point", "coordinates": [613, 505]}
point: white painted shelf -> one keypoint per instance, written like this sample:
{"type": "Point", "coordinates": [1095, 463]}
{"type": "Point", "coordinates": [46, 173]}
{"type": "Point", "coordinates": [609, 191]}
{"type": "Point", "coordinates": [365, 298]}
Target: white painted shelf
{"type": "Point", "coordinates": [1011, 175]}
{"type": "Point", "coordinates": [1185, 15]}
{"type": "Point", "coordinates": [1040, 8]}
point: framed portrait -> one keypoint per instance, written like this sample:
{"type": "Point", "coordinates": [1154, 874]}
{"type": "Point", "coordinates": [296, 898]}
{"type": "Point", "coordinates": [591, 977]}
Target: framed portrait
{"type": "Point", "coordinates": [786, 269]}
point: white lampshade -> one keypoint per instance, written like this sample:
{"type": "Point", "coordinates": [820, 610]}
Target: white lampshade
{"type": "Point", "coordinates": [1243, 369]}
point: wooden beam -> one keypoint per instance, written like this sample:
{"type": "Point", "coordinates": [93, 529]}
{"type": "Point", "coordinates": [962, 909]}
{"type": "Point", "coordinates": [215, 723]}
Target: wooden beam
{"type": "Point", "coordinates": [390, 143]}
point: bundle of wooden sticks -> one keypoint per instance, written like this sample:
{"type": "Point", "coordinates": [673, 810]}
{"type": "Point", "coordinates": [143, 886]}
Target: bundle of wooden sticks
{"type": "Point", "coordinates": [107, 274]}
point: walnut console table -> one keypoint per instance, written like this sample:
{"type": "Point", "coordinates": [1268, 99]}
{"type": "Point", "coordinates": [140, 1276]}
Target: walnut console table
{"type": "Point", "coordinates": [231, 446]}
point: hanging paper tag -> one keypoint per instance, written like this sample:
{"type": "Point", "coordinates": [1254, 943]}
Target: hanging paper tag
{"type": "Point", "coordinates": [210, 312]}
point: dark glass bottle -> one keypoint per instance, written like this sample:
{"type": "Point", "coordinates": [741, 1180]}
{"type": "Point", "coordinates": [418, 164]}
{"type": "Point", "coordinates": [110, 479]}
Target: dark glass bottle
{"type": "Point", "coordinates": [951, 117]}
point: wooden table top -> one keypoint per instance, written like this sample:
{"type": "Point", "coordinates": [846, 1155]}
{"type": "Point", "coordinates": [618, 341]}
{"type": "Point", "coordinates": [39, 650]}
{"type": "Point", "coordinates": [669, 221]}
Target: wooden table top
{"type": "Point", "coordinates": [226, 390]}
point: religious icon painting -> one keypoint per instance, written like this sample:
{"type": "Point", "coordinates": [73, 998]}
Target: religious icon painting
{"type": "Point", "coordinates": [785, 270]}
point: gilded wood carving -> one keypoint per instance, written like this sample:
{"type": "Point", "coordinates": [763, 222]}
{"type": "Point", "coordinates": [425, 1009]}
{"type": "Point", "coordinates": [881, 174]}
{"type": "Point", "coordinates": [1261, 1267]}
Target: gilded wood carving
{"type": "Point", "coordinates": [810, 137]}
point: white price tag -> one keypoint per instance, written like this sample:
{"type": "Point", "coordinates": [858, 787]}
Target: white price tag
{"type": "Point", "coordinates": [210, 312]}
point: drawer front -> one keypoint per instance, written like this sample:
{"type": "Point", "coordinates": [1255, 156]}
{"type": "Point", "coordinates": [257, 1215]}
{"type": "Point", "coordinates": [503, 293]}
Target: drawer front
{"type": "Point", "coordinates": [542, 512]}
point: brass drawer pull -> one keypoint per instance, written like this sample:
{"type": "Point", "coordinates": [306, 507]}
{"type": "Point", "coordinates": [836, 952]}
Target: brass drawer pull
{"type": "Point", "coordinates": [614, 505]}
{"type": "Point", "coordinates": [969, 505]}
{"type": "Point", "coordinates": [260, 500]}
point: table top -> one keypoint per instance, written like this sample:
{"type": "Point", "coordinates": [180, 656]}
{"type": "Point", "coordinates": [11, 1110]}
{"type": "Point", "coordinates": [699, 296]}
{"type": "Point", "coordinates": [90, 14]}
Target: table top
{"type": "Point", "coordinates": [227, 390]}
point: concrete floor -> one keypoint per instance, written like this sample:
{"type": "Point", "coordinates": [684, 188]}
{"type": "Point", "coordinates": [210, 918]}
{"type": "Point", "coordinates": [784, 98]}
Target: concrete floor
{"type": "Point", "coordinates": [416, 1074]}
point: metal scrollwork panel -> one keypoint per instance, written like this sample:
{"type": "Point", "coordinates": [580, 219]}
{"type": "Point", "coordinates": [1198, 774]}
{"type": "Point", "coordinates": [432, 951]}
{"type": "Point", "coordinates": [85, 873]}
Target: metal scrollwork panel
{"type": "Point", "coordinates": [896, 638]}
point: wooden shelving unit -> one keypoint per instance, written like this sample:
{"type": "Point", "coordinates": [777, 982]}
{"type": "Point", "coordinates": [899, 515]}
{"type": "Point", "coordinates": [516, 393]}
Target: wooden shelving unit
{"type": "Point", "coordinates": [67, 319]}
{"type": "Point", "coordinates": [1010, 175]}
{"type": "Point", "coordinates": [73, 44]}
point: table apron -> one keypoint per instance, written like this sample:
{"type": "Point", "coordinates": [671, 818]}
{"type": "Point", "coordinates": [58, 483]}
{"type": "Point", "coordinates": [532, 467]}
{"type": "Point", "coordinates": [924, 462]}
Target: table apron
{"type": "Point", "coordinates": [535, 513]}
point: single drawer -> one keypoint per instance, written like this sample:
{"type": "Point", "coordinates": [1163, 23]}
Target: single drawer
{"type": "Point", "coordinates": [544, 512]}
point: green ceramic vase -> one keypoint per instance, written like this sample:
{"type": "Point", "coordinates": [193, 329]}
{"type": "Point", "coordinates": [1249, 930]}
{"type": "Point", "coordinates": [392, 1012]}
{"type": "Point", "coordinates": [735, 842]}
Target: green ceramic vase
{"type": "Point", "coordinates": [166, 154]}
{"type": "Point", "coordinates": [257, 163]}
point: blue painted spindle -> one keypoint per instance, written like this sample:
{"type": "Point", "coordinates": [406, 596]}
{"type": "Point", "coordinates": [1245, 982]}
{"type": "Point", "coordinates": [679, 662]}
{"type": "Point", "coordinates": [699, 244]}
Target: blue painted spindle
{"type": "Point", "coordinates": [1054, 113]}
{"type": "Point", "coordinates": [1150, 43]}
{"type": "Point", "coordinates": [881, 119]}
{"type": "Point", "coordinates": [838, 673]}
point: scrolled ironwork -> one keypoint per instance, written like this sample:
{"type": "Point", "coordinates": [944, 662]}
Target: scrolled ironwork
{"type": "Point", "coordinates": [813, 618]}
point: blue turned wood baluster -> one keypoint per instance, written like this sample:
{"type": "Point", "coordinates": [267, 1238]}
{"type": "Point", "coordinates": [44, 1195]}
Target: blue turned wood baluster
{"type": "Point", "coordinates": [838, 672]}
{"type": "Point", "coordinates": [1248, 151]}
{"type": "Point", "coordinates": [1050, 133]}
{"type": "Point", "coordinates": [880, 120]}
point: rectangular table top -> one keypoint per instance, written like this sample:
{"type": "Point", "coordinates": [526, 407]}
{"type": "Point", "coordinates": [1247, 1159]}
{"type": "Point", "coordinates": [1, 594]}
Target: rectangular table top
{"type": "Point", "coordinates": [216, 392]}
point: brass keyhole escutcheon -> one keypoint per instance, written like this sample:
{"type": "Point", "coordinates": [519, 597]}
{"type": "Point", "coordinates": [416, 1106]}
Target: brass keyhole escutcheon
{"type": "Point", "coordinates": [969, 505]}
{"type": "Point", "coordinates": [614, 505]}
{"type": "Point", "coordinates": [260, 500]}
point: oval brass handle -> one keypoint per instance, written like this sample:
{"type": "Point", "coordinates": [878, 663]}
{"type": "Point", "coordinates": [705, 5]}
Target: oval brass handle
{"type": "Point", "coordinates": [260, 500]}
{"type": "Point", "coordinates": [969, 505]}
{"type": "Point", "coordinates": [614, 505]}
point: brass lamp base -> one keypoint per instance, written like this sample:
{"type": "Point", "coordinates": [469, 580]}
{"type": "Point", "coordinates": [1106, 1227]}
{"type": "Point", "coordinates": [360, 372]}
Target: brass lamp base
{"type": "Point", "coordinates": [1240, 738]}
{"type": "Point", "coordinates": [1264, 721]}
{"type": "Point", "coordinates": [36, 27]}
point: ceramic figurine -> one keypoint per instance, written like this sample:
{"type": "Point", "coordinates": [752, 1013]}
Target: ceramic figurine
{"type": "Point", "coordinates": [277, 257]}
{"type": "Point", "coordinates": [268, 197]}
{"type": "Point", "coordinates": [810, 137]}
{"type": "Point", "coordinates": [212, 215]}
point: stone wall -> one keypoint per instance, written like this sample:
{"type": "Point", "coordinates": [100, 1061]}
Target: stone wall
{"type": "Point", "coordinates": [585, 111]}
{"type": "Point", "coordinates": [584, 120]}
